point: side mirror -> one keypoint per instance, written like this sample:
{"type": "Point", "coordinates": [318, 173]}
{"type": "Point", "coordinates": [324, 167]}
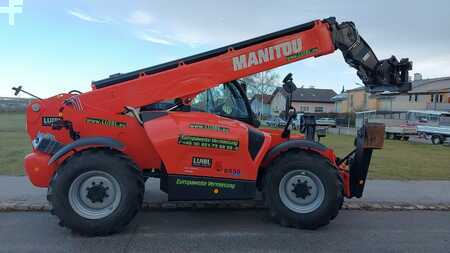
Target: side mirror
{"type": "Point", "coordinates": [288, 84]}
{"type": "Point", "coordinates": [289, 87]}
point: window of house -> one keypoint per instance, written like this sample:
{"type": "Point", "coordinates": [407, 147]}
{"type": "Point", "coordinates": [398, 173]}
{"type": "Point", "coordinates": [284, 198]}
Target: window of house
{"type": "Point", "coordinates": [318, 109]}
{"type": "Point", "coordinates": [415, 98]}
{"type": "Point", "coordinates": [440, 98]}
{"type": "Point", "coordinates": [410, 98]}
{"type": "Point", "coordinates": [432, 96]}
{"type": "Point", "coordinates": [304, 108]}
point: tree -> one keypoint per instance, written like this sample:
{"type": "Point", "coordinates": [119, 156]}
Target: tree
{"type": "Point", "coordinates": [261, 83]}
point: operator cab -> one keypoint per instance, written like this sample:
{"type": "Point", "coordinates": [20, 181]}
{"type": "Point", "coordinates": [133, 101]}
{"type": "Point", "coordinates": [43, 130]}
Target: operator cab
{"type": "Point", "coordinates": [227, 100]}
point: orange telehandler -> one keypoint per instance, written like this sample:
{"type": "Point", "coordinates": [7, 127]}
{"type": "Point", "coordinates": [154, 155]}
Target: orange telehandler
{"type": "Point", "coordinates": [189, 123]}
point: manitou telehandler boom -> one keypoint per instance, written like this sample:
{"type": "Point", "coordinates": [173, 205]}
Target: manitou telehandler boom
{"type": "Point", "coordinates": [189, 123]}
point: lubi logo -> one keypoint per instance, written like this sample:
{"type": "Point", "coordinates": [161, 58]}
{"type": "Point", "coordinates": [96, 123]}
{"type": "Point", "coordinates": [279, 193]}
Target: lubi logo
{"type": "Point", "coordinates": [14, 7]}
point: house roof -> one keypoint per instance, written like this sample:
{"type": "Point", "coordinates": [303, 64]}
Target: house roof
{"type": "Point", "coordinates": [278, 89]}
{"type": "Point", "coordinates": [431, 85]}
{"type": "Point", "coordinates": [313, 95]}
{"type": "Point", "coordinates": [265, 98]}
{"type": "Point", "coordinates": [441, 84]}
{"type": "Point", "coordinates": [356, 89]}
{"type": "Point", "coordinates": [424, 86]}
{"type": "Point", "coordinates": [309, 95]}
{"type": "Point", "coordinates": [340, 97]}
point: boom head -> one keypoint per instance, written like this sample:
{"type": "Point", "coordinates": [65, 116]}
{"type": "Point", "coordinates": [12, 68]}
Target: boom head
{"type": "Point", "coordinates": [378, 75]}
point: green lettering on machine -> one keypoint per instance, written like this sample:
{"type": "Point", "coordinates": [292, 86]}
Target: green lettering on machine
{"type": "Point", "coordinates": [302, 53]}
{"type": "Point", "coordinates": [209, 127]}
{"type": "Point", "coordinates": [206, 142]}
{"type": "Point", "coordinates": [105, 122]}
{"type": "Point", "coordinates": [203, 183]}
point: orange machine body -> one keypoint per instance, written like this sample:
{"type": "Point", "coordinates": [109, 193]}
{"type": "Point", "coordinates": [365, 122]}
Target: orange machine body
{"type": "Point", "coordinates": [169, 140]}
{"type": "Point", "coordinates": [97, 112]}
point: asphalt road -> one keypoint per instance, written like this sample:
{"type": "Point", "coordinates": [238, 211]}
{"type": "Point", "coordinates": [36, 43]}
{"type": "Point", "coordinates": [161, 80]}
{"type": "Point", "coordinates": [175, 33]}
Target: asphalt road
{"type": "Point", "coordinates": [234, 231]}
{"type": "Point", "coordinates": [19, 189]}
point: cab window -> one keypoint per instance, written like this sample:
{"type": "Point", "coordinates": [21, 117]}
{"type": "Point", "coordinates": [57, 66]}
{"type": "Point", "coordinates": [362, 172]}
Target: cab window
{"type": "Point", "coordinates": [224, 100]}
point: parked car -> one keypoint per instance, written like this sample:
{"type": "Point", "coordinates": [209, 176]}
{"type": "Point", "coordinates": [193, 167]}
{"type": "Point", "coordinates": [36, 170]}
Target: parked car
{"type": "Point", "coordinates": [437, 133]}
{"type": "Point", "coordinates": [326, 122]}
{"type": "Point", "coordinates": [402, 132]}
{"type": "Point", "coordinates": [276, 122]}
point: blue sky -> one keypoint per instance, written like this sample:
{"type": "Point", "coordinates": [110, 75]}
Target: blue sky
{"type": "Point", "coordinates": [57, 46]}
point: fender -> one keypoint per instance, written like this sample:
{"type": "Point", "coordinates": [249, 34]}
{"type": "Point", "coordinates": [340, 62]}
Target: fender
{"type": "Point", "coordinates": [289, 145]}
{"type": "Point", "coordinates": [88, 141]}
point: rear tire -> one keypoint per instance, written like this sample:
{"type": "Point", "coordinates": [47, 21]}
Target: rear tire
{"type": "Point", "coordinates": [96, 192]}
{"type": "Point", "coordinates": [313, 190]}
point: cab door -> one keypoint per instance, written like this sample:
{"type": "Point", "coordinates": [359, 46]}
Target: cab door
{"type": "Point", "coordinates": [214, 137]}
{"type": "Point", "coordinates": [209, 152]}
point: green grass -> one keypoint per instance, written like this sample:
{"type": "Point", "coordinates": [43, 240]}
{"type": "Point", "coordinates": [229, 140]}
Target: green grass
{"type": "Point", "coordinates": [398, 159]}
{"type": "Point", "coordinates": [14, 143]}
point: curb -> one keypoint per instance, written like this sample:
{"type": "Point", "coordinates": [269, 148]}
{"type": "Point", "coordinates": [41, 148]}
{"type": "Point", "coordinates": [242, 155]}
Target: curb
{"type": "Point", "coordinates": [204, 205]}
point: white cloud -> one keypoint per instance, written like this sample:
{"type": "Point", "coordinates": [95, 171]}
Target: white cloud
{"type": "Point", "coordinates": [208, 24]}
{"type": "Point", "coordinates": [140, 17]}
{"type": "Point", "coordinates": [83, 16]}
{"type": "Point", "coordinates": [153, 38]}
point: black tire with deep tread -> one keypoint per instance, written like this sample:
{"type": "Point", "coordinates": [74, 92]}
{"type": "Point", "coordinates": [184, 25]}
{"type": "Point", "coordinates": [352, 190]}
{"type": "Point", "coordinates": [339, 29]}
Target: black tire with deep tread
{"type": "Point", "coordinates": [340, 194]}
{"type": "Point", "coordinates": [113, 162]}
{"type": "Point", "coordinates": [437, 139]}
{"type": "Point", "coordinates": [321, 167]}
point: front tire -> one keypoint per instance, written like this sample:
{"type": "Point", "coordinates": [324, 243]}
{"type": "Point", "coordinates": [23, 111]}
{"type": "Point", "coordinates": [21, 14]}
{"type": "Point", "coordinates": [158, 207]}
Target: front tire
{"type": "Point", "coordinates": [96, 192]}
{"type": "Point", "coordinates": [437, 140]}
{"type": "Point", "coordinates": [303, 190]}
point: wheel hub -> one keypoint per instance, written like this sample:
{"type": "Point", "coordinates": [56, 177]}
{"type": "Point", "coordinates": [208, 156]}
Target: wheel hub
{"type": "Point", "coordinates": [301, 189]}
{"type": "Point", "coordinates": [97, 192]}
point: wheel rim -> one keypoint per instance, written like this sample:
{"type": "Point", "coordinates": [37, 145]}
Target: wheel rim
{"type": "Point", "coordinates": [301, 191]}
{"type": "Point", "coordinates": [94, 194]}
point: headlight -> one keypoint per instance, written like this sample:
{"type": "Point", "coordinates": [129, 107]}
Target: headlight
{"type": "Point", "coordinates": [46, 143]}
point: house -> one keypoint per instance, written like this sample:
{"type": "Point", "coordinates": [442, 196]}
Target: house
{"type": "Point", "coordinates": [260, 104]}
{"type": "Point", "coordinates": [309, 100]}
{"type": "Point", "coordinates": [354, 100]}
{"type": "Point", "coordinates": [426, 94]}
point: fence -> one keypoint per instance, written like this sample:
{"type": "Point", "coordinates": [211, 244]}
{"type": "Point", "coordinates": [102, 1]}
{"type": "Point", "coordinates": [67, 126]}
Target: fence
{"type": "Point", "coordinates": [13, 104]}
{"type": "Point", "coordinates": [342, 131]}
